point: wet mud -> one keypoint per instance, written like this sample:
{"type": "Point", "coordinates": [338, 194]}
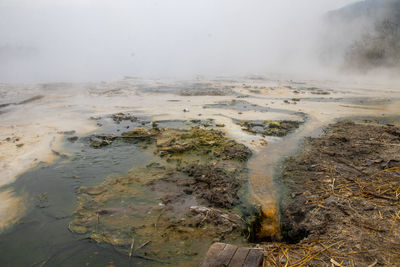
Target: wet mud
{"type": "Point", "coordinates": [26, 101]}
{"type": "Point", "coordinates": [191, 194]}
{"type": "Point", "coordinates": [269, 128]}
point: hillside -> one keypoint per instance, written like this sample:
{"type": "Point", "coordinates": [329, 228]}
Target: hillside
{"type": "Point", "coordinates": [364, 35]}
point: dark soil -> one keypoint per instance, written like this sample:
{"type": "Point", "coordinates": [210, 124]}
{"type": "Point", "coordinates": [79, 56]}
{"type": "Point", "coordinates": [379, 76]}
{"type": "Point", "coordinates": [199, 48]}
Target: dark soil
{"type": "Point", "coordinates": [214, 184]}
{"type": "Point", "coordinates": [342, 195]}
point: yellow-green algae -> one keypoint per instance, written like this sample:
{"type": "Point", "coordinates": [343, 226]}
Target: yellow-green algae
{"type": "Point", "coordinates": [269, 128]}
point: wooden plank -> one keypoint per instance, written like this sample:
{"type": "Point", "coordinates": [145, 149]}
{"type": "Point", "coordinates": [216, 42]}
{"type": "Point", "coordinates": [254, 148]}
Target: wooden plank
{"type": "Point", "coordinates": [254, 258]}
{"type": "Point", "coordinates": [212, 254]}
{"type": "Point", "coordinates": [226, 255]}
{"type": "Point", "coordinates": [239, 257]}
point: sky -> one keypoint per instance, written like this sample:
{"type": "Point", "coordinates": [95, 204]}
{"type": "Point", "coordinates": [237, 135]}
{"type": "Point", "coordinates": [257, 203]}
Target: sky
{"type": "Point", "coordinates": [91, 40]}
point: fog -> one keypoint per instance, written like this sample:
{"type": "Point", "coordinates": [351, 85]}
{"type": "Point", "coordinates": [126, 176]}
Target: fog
{"type": "Point", "coordinates": [91, 40]}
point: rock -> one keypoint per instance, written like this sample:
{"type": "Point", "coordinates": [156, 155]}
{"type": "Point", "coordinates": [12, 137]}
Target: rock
{"type": "Point", "coordinates": [69, 132]}
{"type": "Point", "coordinates": [94, 190]}
{"type": "Point", "coordinates": [100, 143]}
{"type": "Point", "coordinates": [137, 133]}
{"type": "Point", "coordinates": [72, 139]}
{"type": "Point", "coordinates": [123, 117]}
{"type": "Point", "coordinates": [79, 229]}
{"type": "Point", "coordinates": [269, 128]}
{"type": "Point", "coordinates": [392, 163]}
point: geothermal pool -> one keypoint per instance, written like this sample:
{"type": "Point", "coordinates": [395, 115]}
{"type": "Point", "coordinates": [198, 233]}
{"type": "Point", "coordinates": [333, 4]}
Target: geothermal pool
{"type": "Point", "coordinates": [43, 171]}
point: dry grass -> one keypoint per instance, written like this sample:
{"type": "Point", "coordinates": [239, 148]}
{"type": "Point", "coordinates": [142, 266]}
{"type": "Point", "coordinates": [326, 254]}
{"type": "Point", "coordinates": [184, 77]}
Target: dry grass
{"type": "Point", "coordinates": [361, 201]}
{"type": "Point", "coordinates": [302, 254]}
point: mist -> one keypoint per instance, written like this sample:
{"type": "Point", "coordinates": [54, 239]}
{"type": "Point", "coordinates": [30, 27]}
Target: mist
{"type": "Point", "coordinates": [89, 40]}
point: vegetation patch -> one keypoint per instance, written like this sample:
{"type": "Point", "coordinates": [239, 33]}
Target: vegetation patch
{"type": "Point", "coordinates": [192, 192]}
{"type": "Point", "coordinates": [269, 128]}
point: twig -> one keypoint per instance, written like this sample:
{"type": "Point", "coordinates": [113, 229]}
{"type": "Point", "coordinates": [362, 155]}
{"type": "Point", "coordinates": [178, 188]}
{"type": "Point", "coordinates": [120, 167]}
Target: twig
{"type": "Point", "coordinates": [394, 221]}
{"type": "Point", "coordinates": [309, 258]}
{"type": "Point", "coordinates": [158, 218]}
{"type": "Point", "coordinates": [205, 217]}
{"type": "Point", "coordinates": [373, 264]}
{"type": "Point", "coordinates": [131, 250]}
{"type": "Point", "coordinates": [150, 259]}
{"type": "Point", "coordinates": [143, 245]}
{"type": "Point", "coordinates": [335, 263]}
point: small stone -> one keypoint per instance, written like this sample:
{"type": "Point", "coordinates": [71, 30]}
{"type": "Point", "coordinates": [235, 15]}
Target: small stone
{"type": "Point", "coordinates": [72, 139]}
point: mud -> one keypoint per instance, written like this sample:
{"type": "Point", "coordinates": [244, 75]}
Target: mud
{"type": "Point", "coordinates": [29, 100]}
{"type": "Point", "coordinates": [343, 188]}
{"type": "Point", "coordinates": [196, 91]}
{"type": "Point", "coordinates": [194, 189]}
{"type": "Point", "coordinates": [269, 128]}
{"type": "Point", "coordinates": [193, 89]}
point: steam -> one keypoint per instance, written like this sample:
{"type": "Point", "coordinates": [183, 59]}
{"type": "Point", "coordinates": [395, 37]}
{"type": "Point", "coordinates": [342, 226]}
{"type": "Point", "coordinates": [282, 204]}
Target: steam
{"type": "Point", "coordinates": [82, 40]}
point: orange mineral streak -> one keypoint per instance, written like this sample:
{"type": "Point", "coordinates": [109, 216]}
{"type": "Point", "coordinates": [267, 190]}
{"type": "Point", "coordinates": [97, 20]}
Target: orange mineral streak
{"type": "Point", "coordinates": [270, 224]}
{"type": "Point", "coordinates": [264, 194]}
{"type": "Point", "coordinates": [263, 166]}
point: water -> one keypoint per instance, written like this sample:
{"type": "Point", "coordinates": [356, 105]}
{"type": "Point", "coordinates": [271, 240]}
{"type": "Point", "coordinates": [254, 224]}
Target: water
{"type": "Point", "coordinates": [49, 190]}
{"type": "Point", "coordinates": [263, 169]}
{"type": "Point", "coordinates": [42, 236]}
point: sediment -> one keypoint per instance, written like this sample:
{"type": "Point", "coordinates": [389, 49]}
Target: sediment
{"type": "Point", "coordinates": [192, 190]}
{"type": "Point", "coordinates": [340, 203]}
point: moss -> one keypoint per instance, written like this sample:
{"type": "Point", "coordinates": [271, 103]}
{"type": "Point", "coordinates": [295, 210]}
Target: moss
{"type": "Point", "coordinates": [269, 128]}
{"type": "Point", "coordinates": [137, 133]}
{"type": "Point", "coordinates": [191, 167]}
{"type": "Point", "coordinates": [100, 143]}
{"type": "Point", "coordinates": [209, 142]}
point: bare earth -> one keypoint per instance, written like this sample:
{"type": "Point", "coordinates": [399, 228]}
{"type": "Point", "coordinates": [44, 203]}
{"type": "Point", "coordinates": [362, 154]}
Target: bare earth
{"type": "Point", "coordinates": [342, 195]}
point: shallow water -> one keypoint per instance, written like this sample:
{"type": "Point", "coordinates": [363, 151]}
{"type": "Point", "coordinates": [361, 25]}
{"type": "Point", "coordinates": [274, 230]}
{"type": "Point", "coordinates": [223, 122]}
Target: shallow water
{"type": "Point", "coordinates": [42, 235]}
{"type": "Point", "coordinates": [264, 167]}
{"type": "Point", "coordinates": [52, 189]}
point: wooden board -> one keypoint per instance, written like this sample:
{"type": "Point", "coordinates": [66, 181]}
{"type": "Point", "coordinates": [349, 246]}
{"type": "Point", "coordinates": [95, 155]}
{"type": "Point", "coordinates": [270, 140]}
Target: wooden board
{"type": "Point", "coordinates": [239, 257]}
{"type": "Point", "coordinates": [220, 254]}
{"type": "Point", "coordinates": [212, 254]}
{"type": "Point", "coordinates": [254, 258]}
